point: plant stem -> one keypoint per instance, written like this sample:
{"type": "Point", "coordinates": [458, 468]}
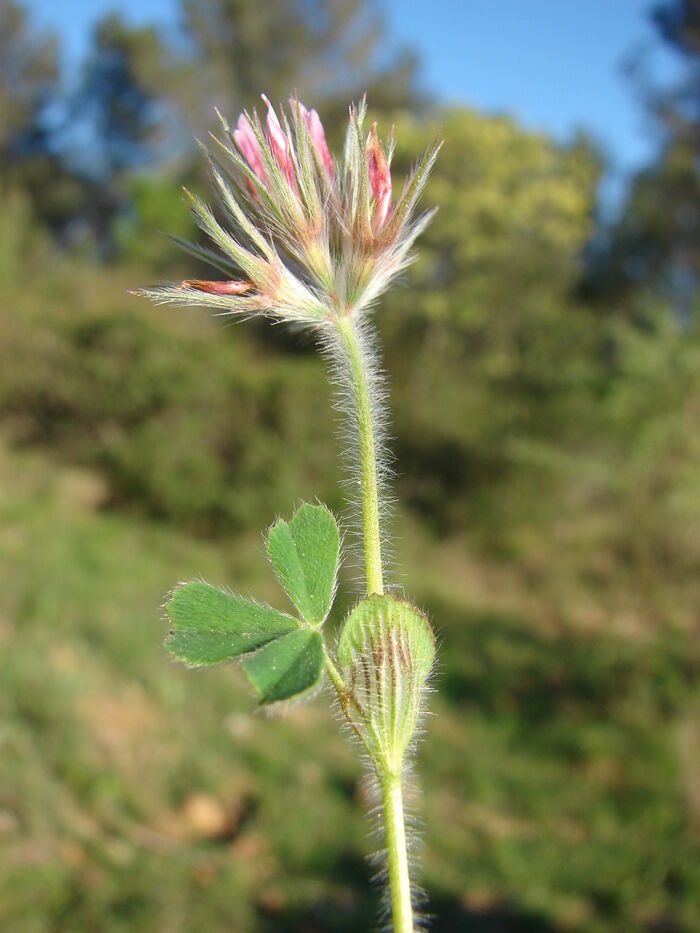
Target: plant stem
{"type": "Point", "coordinates": [396, 853]}
{"type": "Point", "coordinates": [390, 780]}
{"type": "Point", "coordinates": [368, 457]}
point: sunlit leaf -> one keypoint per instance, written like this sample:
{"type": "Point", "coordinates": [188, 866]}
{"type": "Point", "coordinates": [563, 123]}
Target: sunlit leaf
{"type": "Point", "coordinates": [287, 667]}
{"type": "Point", "coordinates": [210, 625]}
{"type": "Point", "coordinates": [304, 553]}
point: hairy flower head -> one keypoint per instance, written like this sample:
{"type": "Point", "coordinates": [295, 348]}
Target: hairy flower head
{"type": "Point", "coordinates": [303, 237]}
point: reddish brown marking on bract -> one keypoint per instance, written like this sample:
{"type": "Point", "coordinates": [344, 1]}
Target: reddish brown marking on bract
{"type": "Point", "coordinates": [253, 191]}
{"type": "Point", "coordinates": [378, 653]}
{"type": "Point", "coordinates": [391, 639]}
{"type": "Point", "coordinates": [405, 655]}
{"type": "Point", "coordinates": [367, 675]}
{"type": "Point", "coordinates": [217, 288]}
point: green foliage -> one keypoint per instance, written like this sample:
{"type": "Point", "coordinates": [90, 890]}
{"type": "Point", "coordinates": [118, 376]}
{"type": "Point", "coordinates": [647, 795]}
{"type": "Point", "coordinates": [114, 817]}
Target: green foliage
{"type": "Point", "coordinates": [492, 354]}
{"type": "Point", "coordinates": [653, 449]}
{"type": "Point", "coordinates": [128, 71]}
{"type": "Point", "coordinates": [654, 247]}
{"type": "Point", "coordinates": [15, 234]}
{"type": "Point", "coordinates": [156, 207]}
{"type": "Point", "coordinates": [185, 418]}
{"type": "Point", "coordinates": [515, 211]}
{"type": "Point", "coordinates": [558, 776]}
{"type": "Point", "coordinates": [28, 67]}
{"type": "Point", "coordinates": [211, 626]}
{"type": "Point", "coordinates": [304, 553]}
{"type": "Point", "coordinates": [242, 46]}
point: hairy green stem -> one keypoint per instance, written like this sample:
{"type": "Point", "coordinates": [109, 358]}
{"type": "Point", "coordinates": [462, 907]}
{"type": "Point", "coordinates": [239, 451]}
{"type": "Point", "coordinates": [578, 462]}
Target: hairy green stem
{"type": "Point", "coordinates": [390, 779]}
{"type": "Point", "coordinates": [394, 821]}
{"type": "Point", "coordinates": [334, 675]}
{"type": "Point", "coordinates": [368, 457]}
{"type": "Point", "coordinates": [397, 853]}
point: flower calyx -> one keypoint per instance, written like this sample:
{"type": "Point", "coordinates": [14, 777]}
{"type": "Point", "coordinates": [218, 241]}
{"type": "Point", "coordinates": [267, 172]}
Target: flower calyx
{"type": "Point", "coordinates": [386, 653]}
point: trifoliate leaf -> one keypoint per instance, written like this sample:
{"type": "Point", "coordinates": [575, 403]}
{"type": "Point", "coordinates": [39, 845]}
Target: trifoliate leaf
{"type": "Point", "coordinates": [286, 667]}
{"type": "Point", "coordinates": [304, 553]}
{"type": "Point", "coordinates": [210, 625]}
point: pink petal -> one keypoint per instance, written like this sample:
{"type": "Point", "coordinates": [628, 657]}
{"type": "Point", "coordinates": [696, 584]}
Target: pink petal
{"type": "Point", "coordinates": [379, 179]}
{"type": "Point", "coordinates": [217, 288]}
{"type": "Point", "coordinates": [247, 142]}
{"type": "Point", "coordinates": [279, 144]}
{"type": "Point", "coordinates": [318, 136]}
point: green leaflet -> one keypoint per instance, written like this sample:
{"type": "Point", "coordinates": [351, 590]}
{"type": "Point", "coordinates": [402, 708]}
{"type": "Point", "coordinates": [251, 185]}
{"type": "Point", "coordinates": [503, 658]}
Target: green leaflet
{"type": "Point", "coordinates": [210, 625]}
{"type": "Point", "coordinates": [286, 667]}
{"type": "Point", "coordinates": [304, 553]}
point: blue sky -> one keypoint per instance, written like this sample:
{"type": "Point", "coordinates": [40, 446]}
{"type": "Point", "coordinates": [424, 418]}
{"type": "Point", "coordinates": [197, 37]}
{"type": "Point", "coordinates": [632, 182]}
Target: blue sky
{"type": "Point", "coordinates": [554, 64]}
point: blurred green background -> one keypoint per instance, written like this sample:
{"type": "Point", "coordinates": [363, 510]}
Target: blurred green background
{"type": "Point", "coordinates": [544, 359]}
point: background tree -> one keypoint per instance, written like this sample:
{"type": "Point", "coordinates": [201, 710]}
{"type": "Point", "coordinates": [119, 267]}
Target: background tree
{"type": "Point", "coordinates": [126, 97]}
{"type": "Point", "coordinates": [330, 51]}
{"type": "Point", "coordinates": [28, 88]}
{"type": "Point", "coordinates": [28, 72]}
{"type": "Point", "coordinates": [126, 117]}
{"type": "Point", "coordinates": [655, 245]}
{"type": "Point", "coordinates": [489, 323]}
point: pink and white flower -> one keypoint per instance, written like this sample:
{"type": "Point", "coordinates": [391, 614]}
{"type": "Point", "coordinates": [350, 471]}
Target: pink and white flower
{"type": "Point", "coordinates": [314, 242]}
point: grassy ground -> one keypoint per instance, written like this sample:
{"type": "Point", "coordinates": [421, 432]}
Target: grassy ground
{"type": "Point", "coordinates": [558, 776]}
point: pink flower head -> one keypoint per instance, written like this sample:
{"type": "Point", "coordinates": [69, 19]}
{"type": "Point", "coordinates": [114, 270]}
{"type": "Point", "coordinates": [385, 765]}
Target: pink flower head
{"type": "Point", "coordinates": [247, 142]}
{"type": "Point", "coordinates": [318, 137]}
{"type": "Point", "coordinates": [379, 179]}
{"type": "Point", "coordinates": [279, 144]}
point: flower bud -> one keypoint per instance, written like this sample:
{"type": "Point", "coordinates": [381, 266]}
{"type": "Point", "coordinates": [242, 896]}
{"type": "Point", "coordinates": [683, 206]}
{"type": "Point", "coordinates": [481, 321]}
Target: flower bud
{"type": "Point", "coordinates": [247, 142]}
{"type": "Point", "coordinates": [279, 144]}
{"type": "Point", "coordinates": [318, 136]}
{"type": "Point", "coordinates": [217, 288]}
{"type": "Point", "coordinates": [379, 179]}
{"type": "Point", "coordinates": [386, 652]}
